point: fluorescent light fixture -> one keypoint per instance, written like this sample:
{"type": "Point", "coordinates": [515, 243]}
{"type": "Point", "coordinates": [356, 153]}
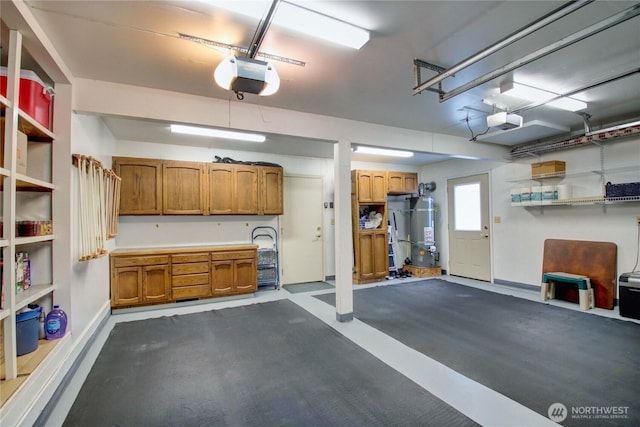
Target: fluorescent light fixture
{"type": "Point", "coordinates": [217, 133]}
{"type": "Point", "coordinates": [247, 75]}
{"type": "Point", "coordinates": [566, 103]}
{"type": "Point", "coordinates": [530, 93]}
{"type": "Point", "coordinates": [382, 152]}
{"type": "Point", "coordinates": [300, 19]}
{"type": "Point", "coordinates": [321, 26]}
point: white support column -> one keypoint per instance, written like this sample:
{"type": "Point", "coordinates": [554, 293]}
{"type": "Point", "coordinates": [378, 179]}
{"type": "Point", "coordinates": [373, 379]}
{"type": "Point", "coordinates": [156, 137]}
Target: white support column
{"type": "Point", "coordinates": [343, 234]}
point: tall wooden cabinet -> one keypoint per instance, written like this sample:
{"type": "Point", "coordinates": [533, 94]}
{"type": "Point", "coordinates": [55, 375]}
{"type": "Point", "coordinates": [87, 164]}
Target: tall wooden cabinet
{"type": "Point", "coordinates": [369, 192]}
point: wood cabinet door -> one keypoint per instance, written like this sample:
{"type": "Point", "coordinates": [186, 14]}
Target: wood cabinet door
{"type": "Point", "coordinates": [182, 188]}
{"type": "Point", "coordinates": [410, 182]}
{"type": "Point", "coordinates": [246, 275]}
{"type": "Point", "coordinates": [271, 199]}
{"type": "Point", "coordinates": [380, 254]}
{"type": "Point", "coordinates": [220, 194]}
{"type": "Point", "coordinates": [364, 185]}
{"type": "Point", "coordinates": [141, 186]}
{"type": "Point", "coordinates": [366, 264]}
{"type": "Point", "coordinates": [126, 286]}
{"type": "Point", "coordinates": [222, 277]}
{"type": "Point", "coordinates": [246, 190]}
{"type": "Point", "coordinates": [379, 186]}
{"type": "Point", "coordinates": [156, 283]}
{"type": "Point", "coordinates": [395, 182]}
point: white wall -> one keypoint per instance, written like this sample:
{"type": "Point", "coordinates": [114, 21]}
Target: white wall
{"type": "Point", "coordinates": [517, 241]}
{"type": "Point", "coordinates": [90, 279]}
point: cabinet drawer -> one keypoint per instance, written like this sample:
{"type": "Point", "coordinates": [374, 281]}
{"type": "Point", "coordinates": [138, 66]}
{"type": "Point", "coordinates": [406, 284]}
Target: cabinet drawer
{"type": "Point", "coordinates": [216, 256]}
{"type": "Point", "coordinates": [140, 260]}
{"type": "Point", "coordinates": [190, 292]}
{"type": "Point", "coordinates": [190, 268]}
{"type": "Point", "coordinates": [190, 280]}
{"type": "Point", "coordinates": [190, 258]}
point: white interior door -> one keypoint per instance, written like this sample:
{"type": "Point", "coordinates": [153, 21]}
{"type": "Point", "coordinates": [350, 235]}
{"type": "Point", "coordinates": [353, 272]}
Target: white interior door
{"type": "Point", "coordinates": [469, 239]}
{"type": "Point", "coordinates": [301, 232]}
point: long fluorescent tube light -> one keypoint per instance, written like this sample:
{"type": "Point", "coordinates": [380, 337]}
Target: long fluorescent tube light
{"type": "Point", "coordinates": [530, 93]}
{"type": "Point", "coordinates": [217, 133]}
{"type": "Point", "coordinates": [382, 152]}
{"type": "Point", "coordinates": [321, 26]}
{"type": "Point", "coordinates": [300, 19]}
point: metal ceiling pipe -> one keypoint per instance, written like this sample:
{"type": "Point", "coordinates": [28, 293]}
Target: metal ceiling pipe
{"type": "Point", "coordinates": [545, 20]}
{"type": "Point", "coordinates": [609, 22]}
{"type": "Point", "coordinates": [261, 31]}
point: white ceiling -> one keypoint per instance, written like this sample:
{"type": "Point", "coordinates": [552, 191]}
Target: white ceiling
{"type": "Point", "coordinates": [137, 43]}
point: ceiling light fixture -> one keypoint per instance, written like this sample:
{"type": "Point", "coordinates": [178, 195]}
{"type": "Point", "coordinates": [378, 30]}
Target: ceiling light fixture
{"type": "Point", "coordinates": [300, 19]}
{"type": "Point", "coordinates": [217, 133]}
{"type": "Point", "coordinates": [382, 152]}
{"type": "Point", "coordinates": [321, 26]}
{"type": "Point", "coordinates": [518, 90]}
{"type": "Point", "coordinates": [247, 75]}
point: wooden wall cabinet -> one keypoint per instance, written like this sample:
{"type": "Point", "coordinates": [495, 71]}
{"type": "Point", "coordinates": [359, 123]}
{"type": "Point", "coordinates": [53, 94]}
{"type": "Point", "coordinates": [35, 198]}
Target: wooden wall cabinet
{"type": "Point", "coordinates": [156, 276]}
{"type": "Point", "coordinates": [232, 189]}
{"type": "Point", "coordinates": [140, 280]}
{"type": "Point", "coordinates": [402, 183]}
{"type": "Point", "coordinates": [157, 187]}
{"type": "Point", "coordinates": [370, 186]}
{"type": "Point", "coordinates": [141, 187]}
{"type": "Point", "coordinates": [183, 185]}
{"type": "Point", "coordinates": [271, 192]}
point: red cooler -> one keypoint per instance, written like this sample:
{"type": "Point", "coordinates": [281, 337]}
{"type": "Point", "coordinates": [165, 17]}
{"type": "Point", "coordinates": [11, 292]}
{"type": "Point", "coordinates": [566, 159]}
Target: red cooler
{"type": "Point", "coordinates": [35, 97]}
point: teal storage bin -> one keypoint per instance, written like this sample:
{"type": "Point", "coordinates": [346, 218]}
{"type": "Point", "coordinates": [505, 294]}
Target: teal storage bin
{"type": "Point", "coordinates": [27, 329]}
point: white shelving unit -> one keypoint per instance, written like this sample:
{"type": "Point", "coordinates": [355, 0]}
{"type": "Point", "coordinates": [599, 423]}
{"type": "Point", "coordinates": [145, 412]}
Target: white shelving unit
{"type": "Point", "coordinates": [25, 196]}
{"type": "Point", "coordinates": [599, 199]}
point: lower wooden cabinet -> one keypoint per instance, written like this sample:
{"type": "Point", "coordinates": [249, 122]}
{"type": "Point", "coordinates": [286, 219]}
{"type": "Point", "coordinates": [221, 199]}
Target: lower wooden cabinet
{"type": "Point", "coordinates": [140, 280]}
{"type": "Point", "coordinates": [143, 277]}
{"type": "Point", "coordinates": [373, 262]}
{"type": "Point", "coordinates": [234, 273]}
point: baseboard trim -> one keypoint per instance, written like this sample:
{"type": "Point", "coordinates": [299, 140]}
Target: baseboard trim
{"type": "Point", "coordinates": [517, 285]}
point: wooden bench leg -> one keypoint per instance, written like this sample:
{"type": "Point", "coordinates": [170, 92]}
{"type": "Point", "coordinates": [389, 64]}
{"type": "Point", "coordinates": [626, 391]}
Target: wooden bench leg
{"type": "Point", "coordinates": [586, 298]}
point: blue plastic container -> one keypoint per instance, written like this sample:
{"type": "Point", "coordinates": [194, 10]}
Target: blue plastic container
{"type": "Point", "coordinates": [27, 329]}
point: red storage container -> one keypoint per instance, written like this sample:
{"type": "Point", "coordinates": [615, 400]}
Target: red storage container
{"type": "Point", "coordinates": [34, 97]}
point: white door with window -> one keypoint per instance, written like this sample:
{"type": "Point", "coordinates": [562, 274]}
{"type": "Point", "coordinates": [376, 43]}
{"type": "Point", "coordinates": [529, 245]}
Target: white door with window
{"type": "Point", "coordinates": [469, 238]}
{"type": "Point", "coordinates": [301, 230]}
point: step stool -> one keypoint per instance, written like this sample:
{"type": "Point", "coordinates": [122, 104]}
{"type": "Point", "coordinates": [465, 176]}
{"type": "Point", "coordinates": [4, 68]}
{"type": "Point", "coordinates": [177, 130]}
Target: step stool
{"type": "Point", "coordinates": [585, 291]}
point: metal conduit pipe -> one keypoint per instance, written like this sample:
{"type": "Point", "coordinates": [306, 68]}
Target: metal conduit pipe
{"type": "Point", "coordinates": [609, 22]}
{"type": "Point", "coordinates": [595, 137]}
{"type": "Point", "coordinates": [553, 16]}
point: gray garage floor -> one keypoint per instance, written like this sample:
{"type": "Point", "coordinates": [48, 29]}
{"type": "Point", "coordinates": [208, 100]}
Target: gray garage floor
{"type": "Point", "coordinates": [467, 397]}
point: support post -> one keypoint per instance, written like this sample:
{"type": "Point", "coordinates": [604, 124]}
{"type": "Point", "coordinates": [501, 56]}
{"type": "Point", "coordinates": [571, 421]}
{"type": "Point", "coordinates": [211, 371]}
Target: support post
{"type": "Point", "coordinates": [343, 234]}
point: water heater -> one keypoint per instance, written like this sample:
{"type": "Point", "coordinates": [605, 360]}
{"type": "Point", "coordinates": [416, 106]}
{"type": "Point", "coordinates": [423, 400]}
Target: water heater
{"type": "Point", "coordinates": [422, 218]}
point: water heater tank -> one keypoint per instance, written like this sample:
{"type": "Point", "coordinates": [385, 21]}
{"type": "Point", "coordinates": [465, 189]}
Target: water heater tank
{"type": "Point", "coordinates": [422, 214]}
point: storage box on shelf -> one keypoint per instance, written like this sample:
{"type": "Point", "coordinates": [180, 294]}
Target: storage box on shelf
{"type": "Point", "coordinates": [35, 97]}
{"type": "Point", "coordinates": [552, 168]}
